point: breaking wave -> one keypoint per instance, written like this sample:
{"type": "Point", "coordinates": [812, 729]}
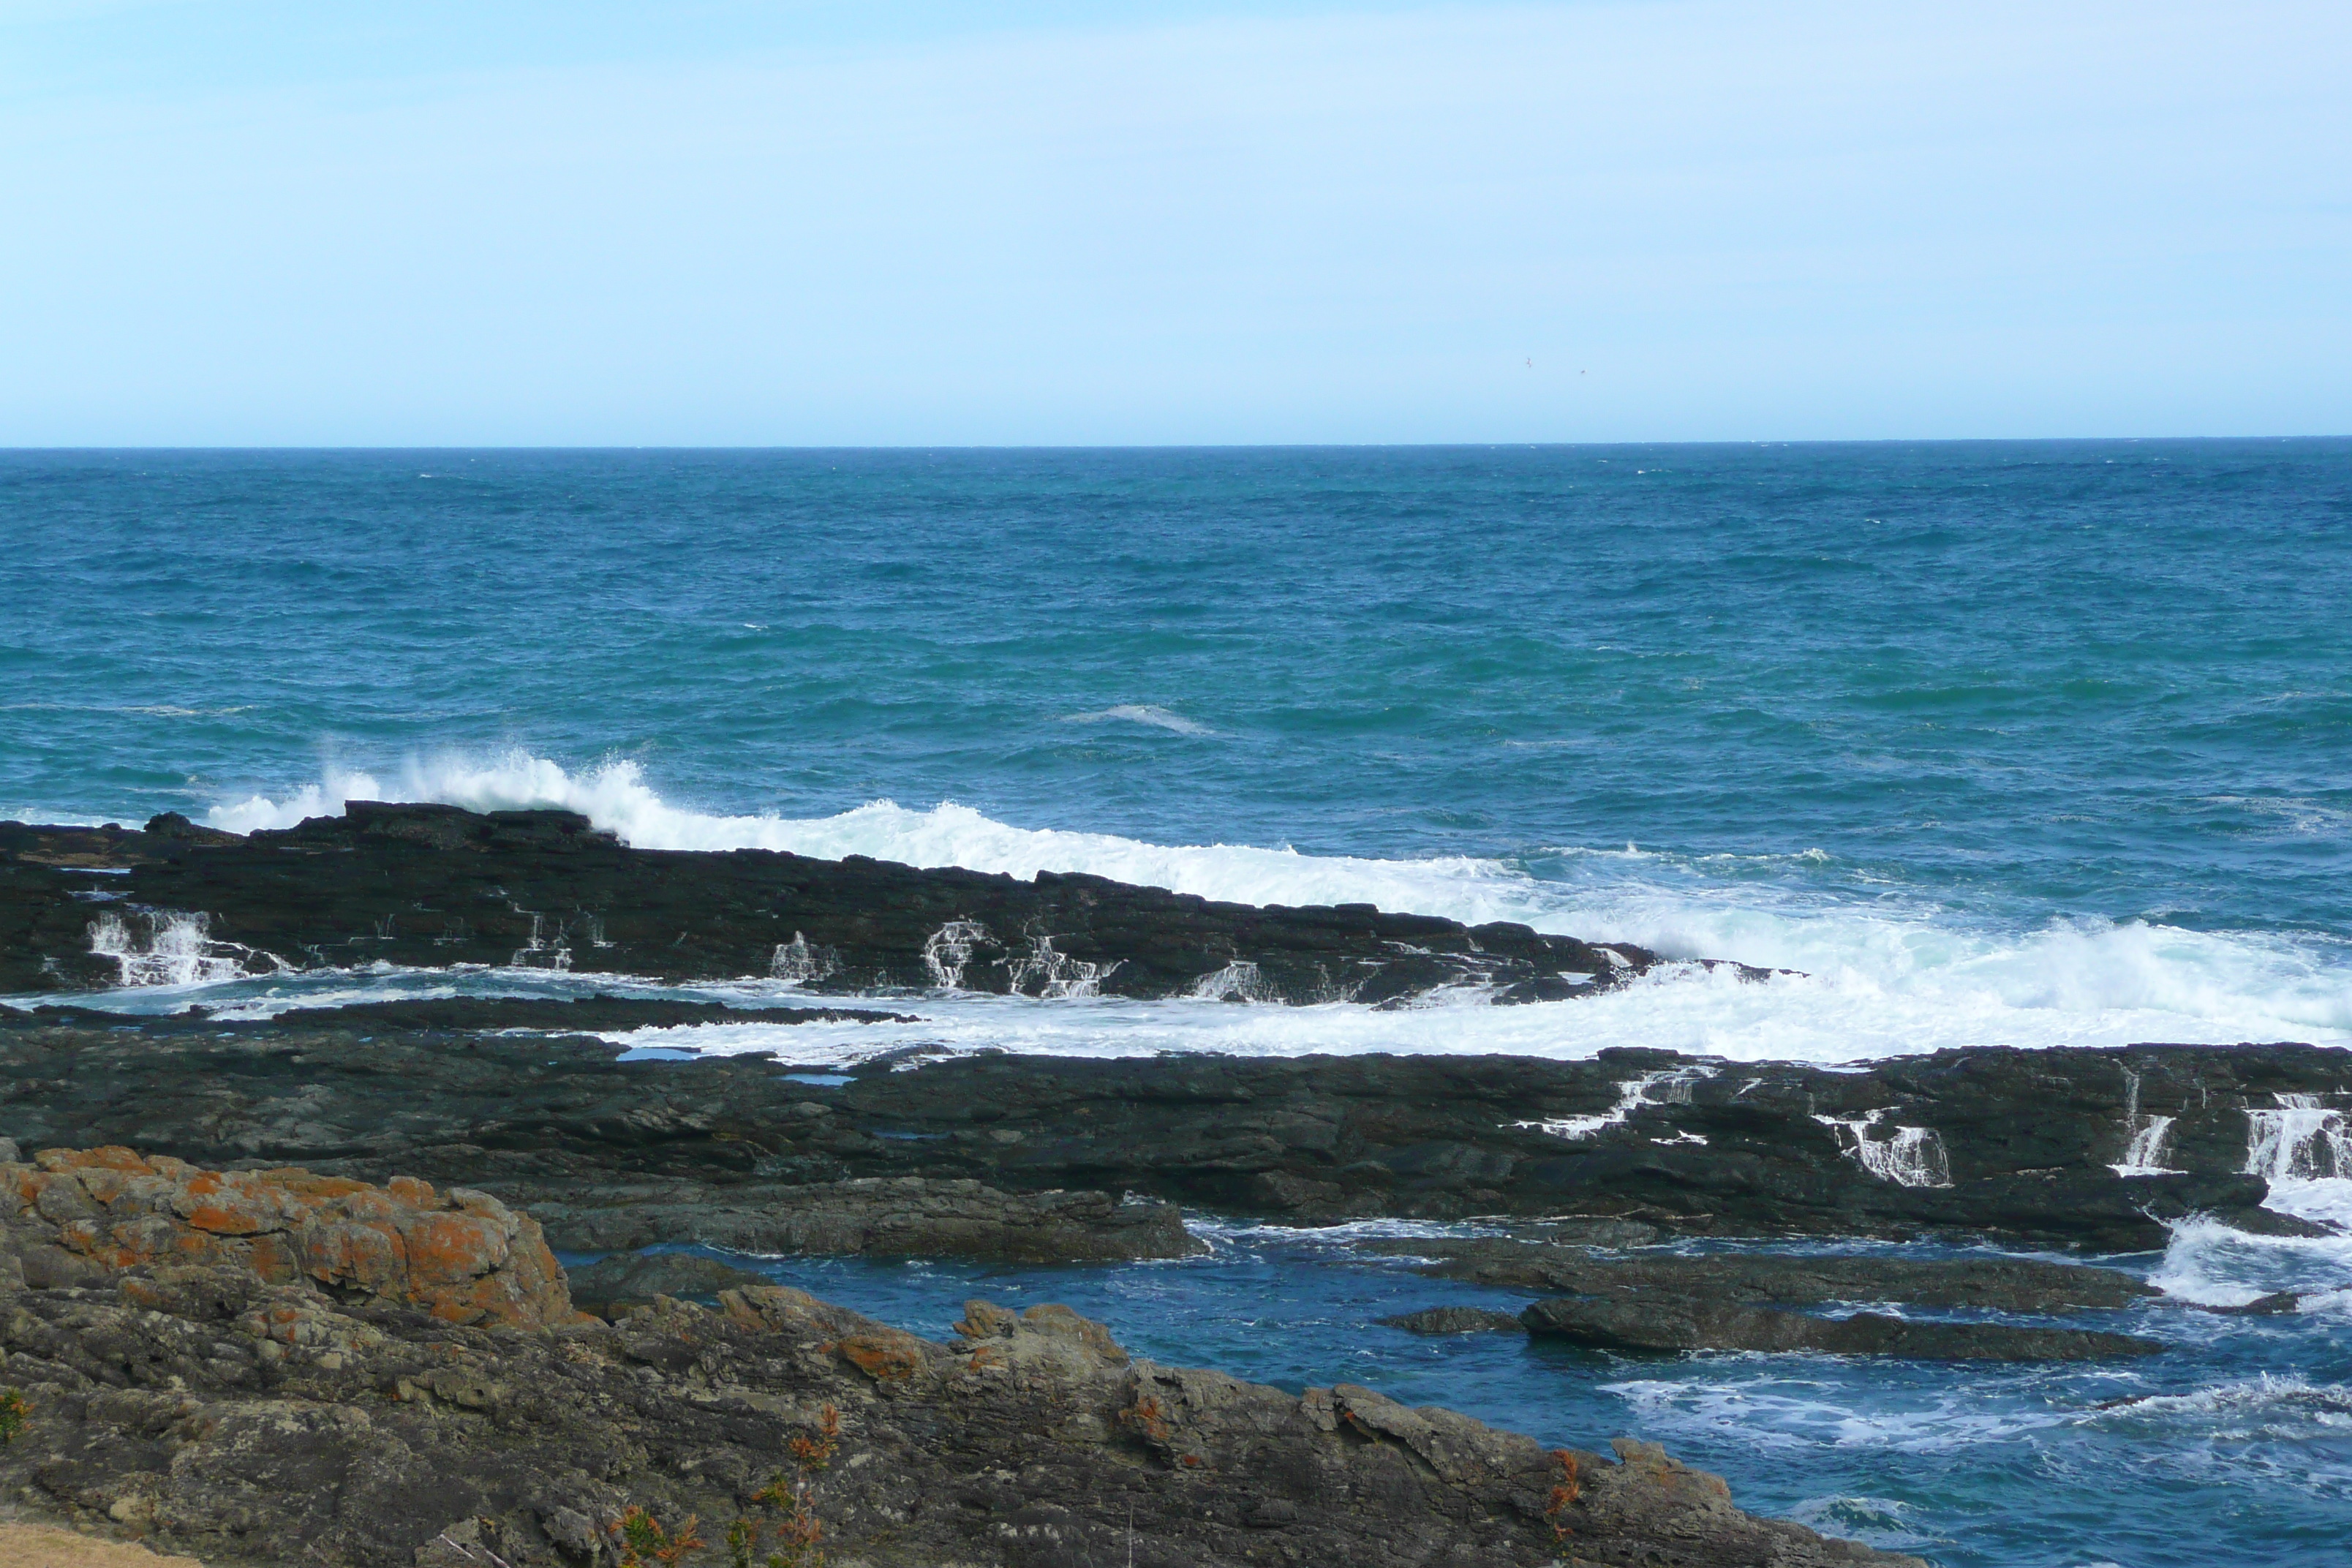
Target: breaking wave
{"type": "Point", "coordinates": [2213, 1265]}
{"type": "Point", "coordinates": [1876, 979]}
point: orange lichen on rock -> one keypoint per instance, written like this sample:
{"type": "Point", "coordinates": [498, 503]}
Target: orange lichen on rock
{"type": "Point", "coordinates": [465, 1257]}
{"type": "Point", "coordinates": [884, 1358]}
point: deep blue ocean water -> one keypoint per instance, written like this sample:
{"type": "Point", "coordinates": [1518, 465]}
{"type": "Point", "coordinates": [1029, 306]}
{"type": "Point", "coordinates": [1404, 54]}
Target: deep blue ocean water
{"type": "Point", "coordinates": [2020, 744]}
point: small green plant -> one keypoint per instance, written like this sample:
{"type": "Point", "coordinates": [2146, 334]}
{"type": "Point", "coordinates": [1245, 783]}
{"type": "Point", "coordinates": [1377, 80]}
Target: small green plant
{"type": "Point", "coordinates": [799, 1533]}
{"type": "Point", "coordinates": [14, 1411]}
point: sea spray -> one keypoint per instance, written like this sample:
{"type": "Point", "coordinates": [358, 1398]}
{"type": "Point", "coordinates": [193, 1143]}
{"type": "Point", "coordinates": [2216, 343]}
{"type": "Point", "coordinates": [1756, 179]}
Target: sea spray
{"type": "Point", "coordinates": [1880, 977]}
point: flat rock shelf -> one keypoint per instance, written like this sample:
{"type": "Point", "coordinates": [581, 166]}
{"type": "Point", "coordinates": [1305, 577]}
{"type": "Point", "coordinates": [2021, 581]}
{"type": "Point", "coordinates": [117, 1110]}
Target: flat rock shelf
{"type": "Point", "coordinates": [2029, 1147]}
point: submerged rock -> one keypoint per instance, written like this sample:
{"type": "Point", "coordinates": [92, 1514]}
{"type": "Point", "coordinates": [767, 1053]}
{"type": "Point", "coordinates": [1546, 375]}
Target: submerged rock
{"type": "Point", "coordinates": [2004, 1284]}
{"type": "Point", "coordinates": [359, 1431]}
{"type": "Point", "coordinates": [1455, 1320]}
{"type": "Point", "coordinates": [1656, 1323]}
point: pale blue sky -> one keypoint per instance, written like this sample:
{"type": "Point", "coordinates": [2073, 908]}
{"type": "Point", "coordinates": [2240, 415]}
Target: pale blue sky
{"type": "Point", "coordinates": [1179, 221]}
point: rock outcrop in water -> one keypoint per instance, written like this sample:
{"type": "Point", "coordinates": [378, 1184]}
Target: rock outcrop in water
{"type": "Point", "coordinates": [1663, 1303]}
{"type": "Point", "coordinates": [1656, 1324]}
{"type": "Point", "coordinates": [245, 1416]}
{"type": "Point", "coordinates": [434, 885]}
{"type": "Point", "coordinates": [2020, 1145]}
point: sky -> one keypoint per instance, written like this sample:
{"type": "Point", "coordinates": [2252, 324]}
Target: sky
{"type": "Point", "coordinates": [1050, 222]}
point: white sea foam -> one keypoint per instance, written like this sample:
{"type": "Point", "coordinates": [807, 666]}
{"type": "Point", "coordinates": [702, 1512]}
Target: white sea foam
{"type": "Point", "coordinates": [1771, 1410]}
{"type": "Point", "coordinates": [1651, 1089]}
{"type": "Point", "coordinates": [165, 948]}
{"type": "Point", "coordinates": [1158, 718]}
{"type": "Point", "coordinates": [2213, 1265]}
{"type": "Point", "coordinates": [2323, 1200]}
{"type": "Point", "coordinates": [2265, 1394]}
{"type": "Point", "coordinates": [1879, 978]}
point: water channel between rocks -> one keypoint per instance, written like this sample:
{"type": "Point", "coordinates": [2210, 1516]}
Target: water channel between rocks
{"type": "Point", "coordinates": [2234, 1446]}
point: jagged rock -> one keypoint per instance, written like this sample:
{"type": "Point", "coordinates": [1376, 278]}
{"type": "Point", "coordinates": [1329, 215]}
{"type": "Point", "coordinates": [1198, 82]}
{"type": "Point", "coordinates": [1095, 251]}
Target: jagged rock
{"type": "Point", "coordinates": [2264, 1306]}
{"type": "Point", "coordinates": [87, 1217]}
{"type": "Point", "coordinates": [1654, 1323]}
{"type": "Point", "coordinates": [436, 885]}
{"type": "Point", "coordinates": [372, 1435]}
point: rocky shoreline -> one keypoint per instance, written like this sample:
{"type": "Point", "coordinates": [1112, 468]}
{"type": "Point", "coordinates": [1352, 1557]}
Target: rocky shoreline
{"type": "Point", "coordinates": [329, 1325]}
{"type": "Point", "coordinates": [278, 1367]}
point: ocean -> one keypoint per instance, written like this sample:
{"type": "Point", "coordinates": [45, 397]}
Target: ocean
{"type": "Point", "coordinates": [1993, 743]}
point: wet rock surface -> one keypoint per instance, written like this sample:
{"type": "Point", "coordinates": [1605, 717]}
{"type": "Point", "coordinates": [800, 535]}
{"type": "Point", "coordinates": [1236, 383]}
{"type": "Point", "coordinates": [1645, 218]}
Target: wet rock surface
{"type": "Point", "coordinates": [365, 1434]}
{"type": "Point", "coordinates": [1665, 1324]}
{"type": "Point", "coordinates": [434, 885]}
{"type": "Point", "coordinates": [2019, 1146]}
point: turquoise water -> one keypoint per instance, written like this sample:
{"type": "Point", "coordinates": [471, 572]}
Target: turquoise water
{"type": "Point", "coordinates": [2052, 741]}
{"type": "Point", "coordinates": [1998, 743]}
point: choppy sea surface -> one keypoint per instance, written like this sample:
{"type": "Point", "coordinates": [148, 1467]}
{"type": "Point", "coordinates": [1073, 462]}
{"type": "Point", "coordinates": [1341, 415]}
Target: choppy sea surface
{"type": "Point", "coordinates": [2029, 743]}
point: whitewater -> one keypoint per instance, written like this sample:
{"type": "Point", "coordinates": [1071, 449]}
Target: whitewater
{"type": "Point", "coordinates": [1887, 977]}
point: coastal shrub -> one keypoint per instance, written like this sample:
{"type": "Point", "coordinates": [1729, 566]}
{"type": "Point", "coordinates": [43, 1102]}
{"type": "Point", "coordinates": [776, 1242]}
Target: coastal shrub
{"type": "Point", "coordinates": [14, 1410]}
{"type": "Point", "coordinates": [644, 1540]}
{"type": "Point", "coordinates": [1564, 1493]}
{"type": "Point", "coordinates": [799, 1533]}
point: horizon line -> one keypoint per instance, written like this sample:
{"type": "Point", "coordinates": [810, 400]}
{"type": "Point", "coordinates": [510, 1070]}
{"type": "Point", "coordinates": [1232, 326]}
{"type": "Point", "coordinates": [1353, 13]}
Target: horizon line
{"type": "Point", "coordinates": [324, 448]}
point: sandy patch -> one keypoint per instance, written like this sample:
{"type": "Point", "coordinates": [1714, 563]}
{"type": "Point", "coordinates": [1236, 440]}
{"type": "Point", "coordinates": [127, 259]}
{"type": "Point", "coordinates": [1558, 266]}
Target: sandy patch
{"type": "Point", "coordinates": [38, 1546]}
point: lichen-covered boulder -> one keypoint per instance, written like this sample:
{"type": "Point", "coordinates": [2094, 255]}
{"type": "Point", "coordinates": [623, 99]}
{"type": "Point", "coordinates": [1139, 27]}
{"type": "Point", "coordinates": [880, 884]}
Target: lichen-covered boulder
{"type": "Point", "coordinates": [461, 1256]}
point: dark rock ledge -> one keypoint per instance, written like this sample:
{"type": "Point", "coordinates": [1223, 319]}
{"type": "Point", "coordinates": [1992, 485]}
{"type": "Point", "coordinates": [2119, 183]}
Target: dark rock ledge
{"type": "Point", "coordinates": [277, 1368]}
{"type": "Point", "coordinates": [2018, 1146]}
{"type": "Point", "coordinates": [433, 885]}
